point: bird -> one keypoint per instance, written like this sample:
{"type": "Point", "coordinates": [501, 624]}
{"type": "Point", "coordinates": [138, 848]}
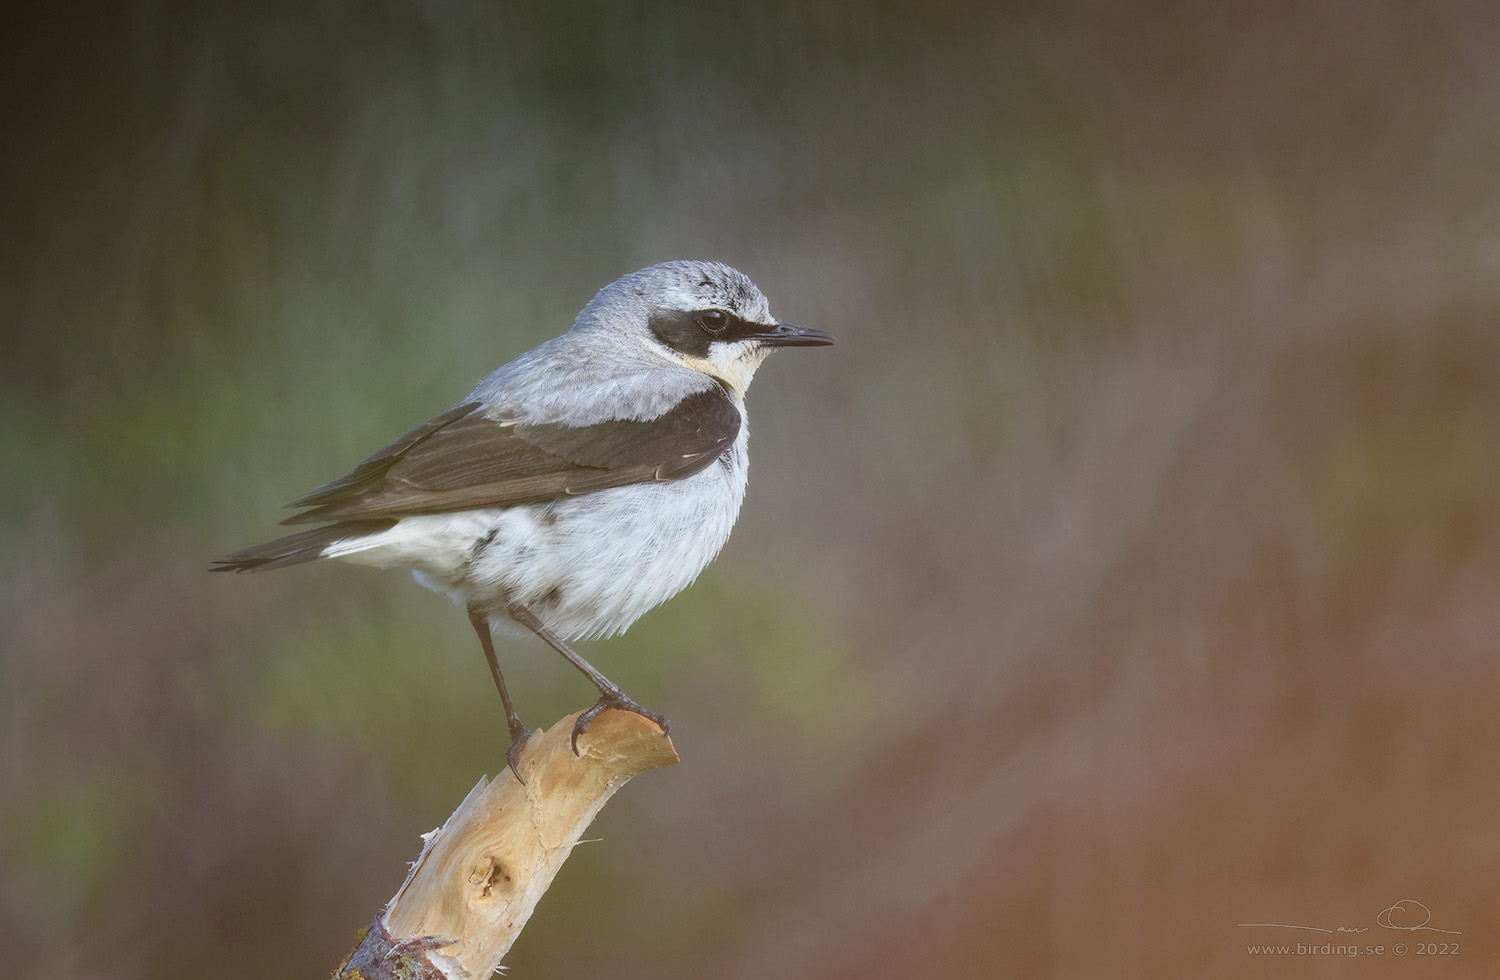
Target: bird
{"type": "Point", "coordinates": [576, 487]}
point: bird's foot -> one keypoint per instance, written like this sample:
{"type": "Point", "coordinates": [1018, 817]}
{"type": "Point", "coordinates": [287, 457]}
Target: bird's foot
{"type": "Point", "coordinates": [519, 733]}
{"type": "Point", "coordinates": [619, 702]}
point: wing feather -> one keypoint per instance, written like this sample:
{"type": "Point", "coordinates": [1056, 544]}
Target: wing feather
{"type": "Point", "coordinates": [465, 460]}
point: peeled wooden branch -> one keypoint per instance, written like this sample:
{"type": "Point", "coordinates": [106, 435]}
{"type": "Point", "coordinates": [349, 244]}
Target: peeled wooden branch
{"type": "Point", "coordinates": [480, 876]}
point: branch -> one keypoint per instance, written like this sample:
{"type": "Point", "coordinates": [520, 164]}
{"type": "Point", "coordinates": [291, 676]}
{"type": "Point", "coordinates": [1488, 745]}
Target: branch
{"type": "Point", "coordinates": [479, 877]}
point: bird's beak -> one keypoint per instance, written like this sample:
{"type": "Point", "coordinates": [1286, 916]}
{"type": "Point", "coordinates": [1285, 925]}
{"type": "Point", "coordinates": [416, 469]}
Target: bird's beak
{"type": "Point", "coordinates": [791, 335]}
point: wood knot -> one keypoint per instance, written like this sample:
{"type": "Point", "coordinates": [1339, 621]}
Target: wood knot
{"type": "Point", "coordinates": [491, 877]}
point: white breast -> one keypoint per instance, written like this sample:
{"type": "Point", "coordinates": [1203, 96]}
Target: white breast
{"type": "Point", "coordinates": [587, 566]}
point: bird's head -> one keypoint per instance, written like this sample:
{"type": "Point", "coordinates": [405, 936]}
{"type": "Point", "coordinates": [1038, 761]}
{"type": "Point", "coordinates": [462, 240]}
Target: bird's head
{"type": "Point", "coordinates": [704, 315]}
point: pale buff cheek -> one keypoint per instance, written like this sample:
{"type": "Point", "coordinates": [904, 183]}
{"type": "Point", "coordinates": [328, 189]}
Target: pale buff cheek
{"type": "Point", "coordinates": [733, 364]}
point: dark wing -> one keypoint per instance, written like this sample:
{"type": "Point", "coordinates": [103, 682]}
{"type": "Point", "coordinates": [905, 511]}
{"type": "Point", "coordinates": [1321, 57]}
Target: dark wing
{"type": "Point", "coordinates": [463, 460]}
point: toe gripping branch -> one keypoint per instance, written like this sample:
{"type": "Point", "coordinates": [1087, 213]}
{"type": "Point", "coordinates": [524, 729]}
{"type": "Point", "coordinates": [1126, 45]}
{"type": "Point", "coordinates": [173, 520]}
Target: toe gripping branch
{"type": "Point", "coordinates": [610, 695]}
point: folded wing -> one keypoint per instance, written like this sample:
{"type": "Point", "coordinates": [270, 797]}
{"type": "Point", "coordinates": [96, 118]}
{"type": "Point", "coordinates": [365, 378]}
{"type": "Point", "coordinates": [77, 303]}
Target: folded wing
{"type": "Point", "coordinates": [465, 460]}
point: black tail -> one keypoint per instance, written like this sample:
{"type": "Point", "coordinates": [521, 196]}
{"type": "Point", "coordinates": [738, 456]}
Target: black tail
{"type": "Point", "coordinates": [294, 549]}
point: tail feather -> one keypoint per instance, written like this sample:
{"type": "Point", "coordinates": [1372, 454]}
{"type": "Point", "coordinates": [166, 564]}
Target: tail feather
{"type": "Point", "coordinates": [294, 549]}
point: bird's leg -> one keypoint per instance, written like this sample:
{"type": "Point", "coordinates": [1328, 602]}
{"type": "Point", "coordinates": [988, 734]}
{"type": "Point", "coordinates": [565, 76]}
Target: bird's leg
{"type": "Point", "coordinates": [519, 733]}
{"type": "Point", "coordinates": [610, 695]}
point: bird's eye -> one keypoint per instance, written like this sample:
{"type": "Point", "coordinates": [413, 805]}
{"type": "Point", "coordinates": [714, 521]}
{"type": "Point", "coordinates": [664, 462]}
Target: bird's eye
{"type": "Point", "coordinates": [713, 321]}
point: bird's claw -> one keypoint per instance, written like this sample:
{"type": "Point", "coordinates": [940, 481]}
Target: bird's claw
{"type": "Point", "coordinates": [518, 737]}
{"type": "Point", "coordinates": [621, 703]}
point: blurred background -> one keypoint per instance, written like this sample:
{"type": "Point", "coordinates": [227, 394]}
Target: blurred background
{"type": "Point", "coordinates": [1127, 573]}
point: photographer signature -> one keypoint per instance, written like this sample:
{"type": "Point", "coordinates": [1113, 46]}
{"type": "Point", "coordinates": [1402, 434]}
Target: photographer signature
{"type": "Point", "coordinates": [1407, 915]}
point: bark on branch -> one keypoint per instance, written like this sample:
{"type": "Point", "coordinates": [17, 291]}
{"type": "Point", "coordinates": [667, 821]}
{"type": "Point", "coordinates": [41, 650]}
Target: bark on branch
{"type": "Point", "coordinates": [480, 875]}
